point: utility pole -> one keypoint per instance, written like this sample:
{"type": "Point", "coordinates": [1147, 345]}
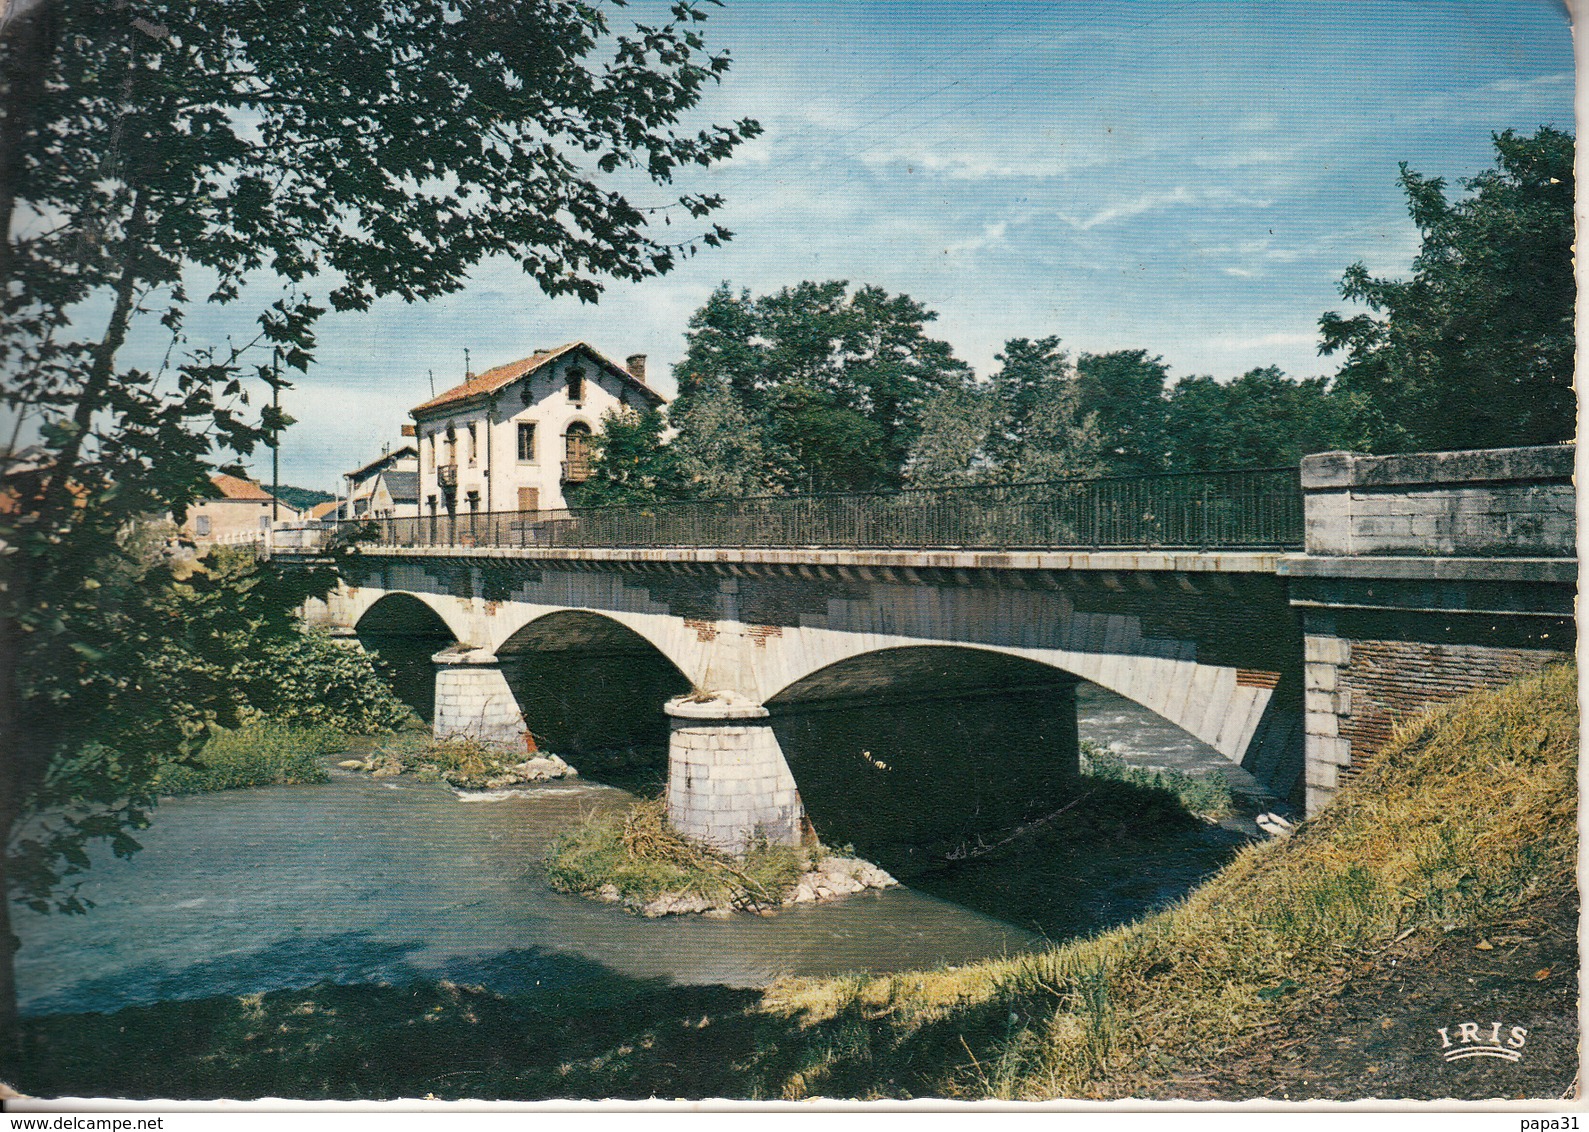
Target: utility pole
{"type": "Point", "coordinates": [466, 363]}
{"type": "Point", "coordinates": [275, 437]}
{"type": "Point", "coordinates": [432, 383]}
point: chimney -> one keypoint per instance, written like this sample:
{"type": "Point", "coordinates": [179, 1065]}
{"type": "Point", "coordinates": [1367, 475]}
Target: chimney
{"type": "Point", "coordinates": [636, 365]}
{"type": "Point", "coordinates": [408, 430]}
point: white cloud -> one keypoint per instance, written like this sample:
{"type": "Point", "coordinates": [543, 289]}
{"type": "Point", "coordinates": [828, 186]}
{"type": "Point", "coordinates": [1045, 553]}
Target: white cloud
{"type": "Point", "coordinates": [1155, 202]}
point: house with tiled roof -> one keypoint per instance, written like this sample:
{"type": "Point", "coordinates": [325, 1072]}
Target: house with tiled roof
{"type": "Point", "coordinates": [237, 511]}
{"type": "Point", "coordinates": [369, 493]}
{"type": "Point", "coordinates": [516, 436]}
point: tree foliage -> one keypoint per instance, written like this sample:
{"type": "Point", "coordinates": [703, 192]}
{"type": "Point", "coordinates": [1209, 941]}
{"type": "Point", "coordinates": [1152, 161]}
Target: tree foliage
{"type": "Point", "coordinates": [1261, 419]}
{"type": "Point", "coordinates": [834, 383]}
{"type": "Point", "coordinates": [1476, 348]}
{"type": "Point", "coordinates": [1123, 391]}
{"type": "Point", "coordinates": [158, 154]}
{"type": "Point", "coordinates": [1025, 424]}
{"type": "Point", "coordinates": [630, 464]}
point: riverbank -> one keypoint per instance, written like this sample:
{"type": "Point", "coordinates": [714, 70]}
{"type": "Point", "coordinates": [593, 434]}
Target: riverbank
{"type": "Point", "coordinates": [1438, 888]}
{"type": "Point", "coordinates": [261, 754]}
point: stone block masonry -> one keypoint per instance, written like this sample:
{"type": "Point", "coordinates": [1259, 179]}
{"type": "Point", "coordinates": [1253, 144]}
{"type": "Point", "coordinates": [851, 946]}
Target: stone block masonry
{"type": "Point", "coordinates": [474, 700]}
{"type": "Point", "coordinates": [728, 781]}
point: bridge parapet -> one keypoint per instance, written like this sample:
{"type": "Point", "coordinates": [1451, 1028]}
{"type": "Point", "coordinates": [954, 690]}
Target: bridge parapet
{"type": "Point", "coordinates": [1493, 502]}
{"type": "Point", "coordinates": [1426, 576]}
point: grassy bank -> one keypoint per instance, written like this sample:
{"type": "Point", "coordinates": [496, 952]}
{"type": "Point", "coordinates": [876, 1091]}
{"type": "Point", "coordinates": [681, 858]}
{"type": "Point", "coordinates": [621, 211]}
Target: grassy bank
{"type": "Point", "coordinates": [1466, 818]}
{"type": "Point", "coordinates": [1438, 887]}
{"type": "Point", "coordinates": [638, 857]}
{"type": "Point", "coordinates": [262, 754]}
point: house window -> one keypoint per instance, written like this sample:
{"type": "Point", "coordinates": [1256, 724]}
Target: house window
{"type": "Point", "coordinates": [527, 443]}
{"type": "Point", "coordinates": [529, 499]}
{"type": "Point", "coordinates": [201, 525]}
{"type": "Point", "coordinates": [474, 500]}
{"type": "Point", "coordinates": [576, 384]}
{"type": "Point", "coordinates": [474, 444]}
{"type": "Point", "coordinates": [429, 450]}
{"type": "Point", "coordinates": [452, 445]}
{"type": "Point", "coordinates": [264, 522]}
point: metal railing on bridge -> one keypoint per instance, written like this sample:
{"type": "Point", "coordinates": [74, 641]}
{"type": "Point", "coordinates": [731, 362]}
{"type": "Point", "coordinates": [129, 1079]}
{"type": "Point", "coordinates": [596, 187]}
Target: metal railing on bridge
{"type": "Point", "coordinates": [1253, 509]}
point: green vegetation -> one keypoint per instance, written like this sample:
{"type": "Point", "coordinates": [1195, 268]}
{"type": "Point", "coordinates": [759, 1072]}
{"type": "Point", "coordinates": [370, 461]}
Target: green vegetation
{"type": "Point", "coordinates": [1203, 795]}
{"type": "Point", "coordinates": [262, 754]}
{"type": "Point", "coordinates": [1467, 819]}
{"type": "Point", "coordinates": [468, 764]}
{"type": "Point", "coordinates": [642, 857]}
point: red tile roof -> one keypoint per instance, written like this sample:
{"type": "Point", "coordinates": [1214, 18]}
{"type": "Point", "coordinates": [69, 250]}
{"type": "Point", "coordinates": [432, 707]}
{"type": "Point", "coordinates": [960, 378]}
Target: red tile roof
{"type": "Point", "coordinates": [321, 510]}
{"type": "Point", "coordinates": [493, 379]}
{"type": "Point", "coordinates": [233, 487]}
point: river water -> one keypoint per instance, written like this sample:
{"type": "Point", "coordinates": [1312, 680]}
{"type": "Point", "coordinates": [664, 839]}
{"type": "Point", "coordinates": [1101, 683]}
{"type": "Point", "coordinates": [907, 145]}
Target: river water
{"type": "Point", "coordinates": [362, 880]}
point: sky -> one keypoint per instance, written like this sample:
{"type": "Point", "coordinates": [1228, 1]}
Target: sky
{"type": "Point", "coordinates": [1187, 178]}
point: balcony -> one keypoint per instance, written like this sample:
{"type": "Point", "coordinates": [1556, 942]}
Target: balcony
{"type": "Point", "coordinates": [447, 476]}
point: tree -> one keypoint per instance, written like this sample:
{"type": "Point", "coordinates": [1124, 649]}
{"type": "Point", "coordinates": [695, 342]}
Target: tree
{"type": "Point", "coordinates": [1476, 348]}
{"type": "Point", "coordinates": [1124, 392]}
{"type": "Point", "coordinates": [1025, 424]}
{"type": "Point", "coordinates": [835, 383]}
{"type": "Point", "coordinates": [630, 465]}
{"type": "Point", "coordinates": [951, 448]}
{"type": "Point", "coordinates": [152, 151]}
{"type": "Point", "coordinates": [718, 452]}
{"type": "Point", "coordinates": [1041, 431]}
{"type": "Point", "coordinates": [1261, 419]}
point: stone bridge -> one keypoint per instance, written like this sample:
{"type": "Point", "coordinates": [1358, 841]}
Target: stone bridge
{"type": "Point", "coordinates": [900, 683]}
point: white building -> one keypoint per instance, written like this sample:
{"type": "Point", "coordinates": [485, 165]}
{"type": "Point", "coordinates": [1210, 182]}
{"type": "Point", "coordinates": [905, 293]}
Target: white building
{"type": "Point", "coordinates": [509, 439]}
{"type": "Point", "coordinates": [379, 490]}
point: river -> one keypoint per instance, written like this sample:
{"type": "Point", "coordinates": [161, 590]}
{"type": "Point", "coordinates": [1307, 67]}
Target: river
{"type": "Point", "coordinates": [361, 880]}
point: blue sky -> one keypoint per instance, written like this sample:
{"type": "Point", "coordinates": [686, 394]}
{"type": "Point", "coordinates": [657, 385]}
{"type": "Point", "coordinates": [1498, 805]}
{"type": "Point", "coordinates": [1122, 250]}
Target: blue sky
{"type": "Point", "coordinates": [1189, 178]}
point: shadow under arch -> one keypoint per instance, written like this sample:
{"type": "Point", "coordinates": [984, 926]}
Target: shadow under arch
{"type": "Point", "coordinates": [404, 633]}
{"type": "Point", "coordinates": [906, 751]}
{"type": "Point", "coordinates": [592, 689]}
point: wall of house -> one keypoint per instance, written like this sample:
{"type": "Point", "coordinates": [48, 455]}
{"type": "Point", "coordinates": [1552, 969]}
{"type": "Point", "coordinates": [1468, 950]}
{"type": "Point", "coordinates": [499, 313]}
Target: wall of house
{"type": "Point", "coordinates": [548, 408]}
{"type": "Point", "coordinates": [231, 520]}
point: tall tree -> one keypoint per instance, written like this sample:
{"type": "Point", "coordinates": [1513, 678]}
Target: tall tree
{"type": "Point", "coordinates": [1124, 391]}
{"type": "Point", "coordinates": [1261, 419]}
{"type": "Point", "coordinates": [835, 382]}
{"type": "Point", "coordinates": [630, 464]}
{"type": "Point", "coordinates": [719, 451]}
{"type": "Point", "coordinates": [1041, 431]}
{"type": "Point", "coordinates": [154, 151]}
{"type": "Point", "coordinates": [1476, 348]}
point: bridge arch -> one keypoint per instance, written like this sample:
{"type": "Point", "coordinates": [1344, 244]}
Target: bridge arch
{"type": "Point", "coordinates": [591, 688]}
{"type": "Point", "coordinates": [403, 632]}
{"type": "Point", "coordinates": [902, 747]}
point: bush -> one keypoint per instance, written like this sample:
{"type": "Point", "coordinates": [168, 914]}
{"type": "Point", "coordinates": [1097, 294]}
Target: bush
{"type": "Point", "coordinates": [263, 754]}
{"type": "Point", "coordinates": [313, 679]}
{"type": "Point", "coordinates": [643, 857]}
{"type": "Point", "coordinates": [1204, 795]}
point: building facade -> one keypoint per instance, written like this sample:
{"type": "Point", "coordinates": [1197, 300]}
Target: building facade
{"type": "Point", "coordinates": [382, 488]}
{"type": "Point", "coordinates": [515, 437]}
{"type": "Point", "coordinates": [241, 511]}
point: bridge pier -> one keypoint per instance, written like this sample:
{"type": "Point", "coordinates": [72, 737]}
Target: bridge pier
{"type": "Point", "coordinates": [728, 781]}
{"type": "Point", "coordinates": [473, 699]}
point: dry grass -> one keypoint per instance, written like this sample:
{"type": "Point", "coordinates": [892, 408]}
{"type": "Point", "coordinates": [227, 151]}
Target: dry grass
{"type": "Point", "coordinates": [1469, 813]}
{"type": "Point", "coordinates": [643, 857]}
